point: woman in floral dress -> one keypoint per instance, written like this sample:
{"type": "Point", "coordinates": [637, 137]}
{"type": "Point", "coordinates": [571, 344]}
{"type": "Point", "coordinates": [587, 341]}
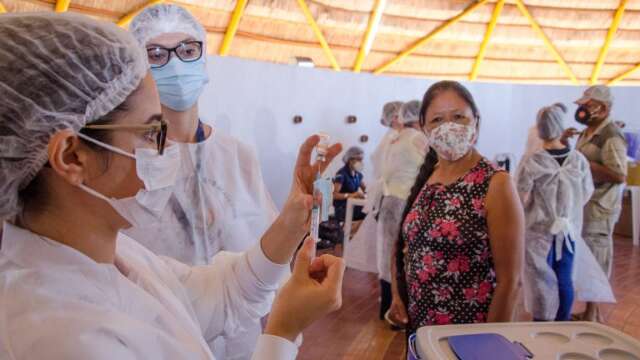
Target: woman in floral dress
{"type": "Point", "coordinates": [459, 255]}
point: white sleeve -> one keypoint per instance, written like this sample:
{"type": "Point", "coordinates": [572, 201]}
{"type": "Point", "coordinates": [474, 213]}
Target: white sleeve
{"type": "Point", "coordinates": [274, 348]}
{"type": "Point", "coordinates": [524, 180]}
{"type": "Point", "coordinates": [234, 291]}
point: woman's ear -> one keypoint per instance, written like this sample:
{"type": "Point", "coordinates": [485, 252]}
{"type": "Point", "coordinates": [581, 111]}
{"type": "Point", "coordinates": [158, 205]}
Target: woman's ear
{"type": "Point", "coordinates": [67, 157]}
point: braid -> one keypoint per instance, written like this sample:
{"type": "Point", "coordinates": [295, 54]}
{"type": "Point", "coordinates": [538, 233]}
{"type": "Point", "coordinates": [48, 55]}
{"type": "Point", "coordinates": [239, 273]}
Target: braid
{"type": "Point", "coordinates": [426, 170]}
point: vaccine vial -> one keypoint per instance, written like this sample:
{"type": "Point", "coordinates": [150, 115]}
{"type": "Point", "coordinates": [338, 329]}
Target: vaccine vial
{"type": "Point", "coordinates": [322, 147]}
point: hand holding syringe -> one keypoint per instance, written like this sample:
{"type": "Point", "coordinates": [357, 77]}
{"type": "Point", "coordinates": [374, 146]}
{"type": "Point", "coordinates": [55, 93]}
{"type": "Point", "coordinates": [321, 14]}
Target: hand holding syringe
{"type": "Point", "coordinates": [321, 152]}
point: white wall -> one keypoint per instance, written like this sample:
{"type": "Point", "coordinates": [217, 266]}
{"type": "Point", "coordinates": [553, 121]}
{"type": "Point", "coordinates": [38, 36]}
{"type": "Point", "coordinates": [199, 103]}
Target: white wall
{"type": "Point", "coordinates": [256, 102]}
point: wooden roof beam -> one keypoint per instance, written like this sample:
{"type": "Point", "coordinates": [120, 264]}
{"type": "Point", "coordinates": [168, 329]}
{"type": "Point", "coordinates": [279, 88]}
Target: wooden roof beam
{"type": "Point", "coordinates": [316, 30]}
{"type": "Point", "coordinates": [127, 18]}
{"type": "Point", "coordinates": [485, 41]}
{"type": "Point", "coordinates": [370, 34]}
{"type": "Point", "coordinates": [556, 54]}
{"type": "Point", "coordinates": [62, 5]}
{"type": "Point", "coordinates": [408, 51]}
{"type": "Point", "coordinates": [624, 75]}
{"type": "Point", "coordinates": [233, 27]}
{"type": "Point", "coordinates": [607, 42]}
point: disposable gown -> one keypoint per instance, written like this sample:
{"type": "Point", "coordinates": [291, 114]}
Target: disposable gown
{"type": "Point", "coordinates": [362, 249]}
{"type": "Point", "coordinates": [58, 304]}
{"type": "Point", "coordinates": [402, 164]}
{"type": "Point", "coordinates": [219, 202]}
{"type": "Point", "coordinates": [554, 197]}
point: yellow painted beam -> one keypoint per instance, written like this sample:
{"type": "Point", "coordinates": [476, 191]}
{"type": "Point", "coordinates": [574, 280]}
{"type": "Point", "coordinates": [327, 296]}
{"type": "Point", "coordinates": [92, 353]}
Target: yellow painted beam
{"type": "Point", "coordinates": [547, 42]}
{"type": "Point", "coordinates": [2, 9]}
{"type": "Point", "coordinates": [127, 18]}
{"type": "Point", "coordinates": [624, 75]}
{"type": "Point", "coordinates": [62, 5]}
{"type": "Point", "coordinates": [607, 42]}
{"type": "Point", "coordinates": [370, 34]}
{"type": "Point", "coordinates": [487, 35]}
{"type": "Point", "coordinates": [408, 51]}
{"type": "Point", "coordinates": [316, 29]}
{"type": "Point", "coordinates": [233, 27]}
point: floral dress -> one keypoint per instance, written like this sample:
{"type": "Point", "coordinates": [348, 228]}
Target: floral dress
{"type": "Point", "coordinates": [449, 270]}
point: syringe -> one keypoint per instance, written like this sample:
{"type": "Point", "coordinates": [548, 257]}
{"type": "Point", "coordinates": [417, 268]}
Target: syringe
{"type": "Point", "coordinates": [321, 153]}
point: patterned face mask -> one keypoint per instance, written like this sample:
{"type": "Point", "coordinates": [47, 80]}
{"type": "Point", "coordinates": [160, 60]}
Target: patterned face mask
{"type": "Point", "coordinates": [452, 140]}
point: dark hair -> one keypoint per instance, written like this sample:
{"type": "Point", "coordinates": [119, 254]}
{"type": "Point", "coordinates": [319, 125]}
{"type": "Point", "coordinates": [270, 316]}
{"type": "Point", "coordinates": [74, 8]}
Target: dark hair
{"type": "Point", "coordinates": [426, 170]}
{"type": "Point", "coordinates": [35, 193]}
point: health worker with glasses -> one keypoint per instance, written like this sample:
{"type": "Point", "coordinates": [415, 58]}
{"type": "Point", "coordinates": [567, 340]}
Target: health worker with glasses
{"type": "Point", "coordinates": [82, 141]}
{"type": "Point", "coordinates": [219, 200]}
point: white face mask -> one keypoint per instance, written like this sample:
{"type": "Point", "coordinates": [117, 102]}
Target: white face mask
{"type": "Point", "coordinates": [451, 140]}
{"type": "Point", "coordinates": [358, 166]}
{"type": "Point", "coordinates": [157, 172]}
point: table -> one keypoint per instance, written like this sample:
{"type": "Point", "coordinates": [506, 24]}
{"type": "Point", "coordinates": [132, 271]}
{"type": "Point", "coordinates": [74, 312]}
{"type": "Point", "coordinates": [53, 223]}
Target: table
{"type": "Point", "coordinates": [348, 221]}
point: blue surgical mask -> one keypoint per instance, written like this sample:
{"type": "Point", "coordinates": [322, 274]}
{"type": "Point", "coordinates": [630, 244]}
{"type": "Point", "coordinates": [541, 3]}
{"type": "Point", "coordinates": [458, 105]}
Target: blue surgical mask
{"type": "Point", "coordinates": [180, 83]}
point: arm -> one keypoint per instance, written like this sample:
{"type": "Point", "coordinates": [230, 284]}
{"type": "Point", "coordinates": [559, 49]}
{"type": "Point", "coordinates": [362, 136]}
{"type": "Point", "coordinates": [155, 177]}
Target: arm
{"type": "Point", "coordinates": [602, 174]}
{"type": "Point", "coordinates": [505, 219]}
{"type": "Point", "coordinates": [614, 157]}
{"type": "Point", "coordinates": [397, 310]}
{"type": "Point", "coordinates": [233, 291]}
{"type": "Point", "coordinates": [337, 195]}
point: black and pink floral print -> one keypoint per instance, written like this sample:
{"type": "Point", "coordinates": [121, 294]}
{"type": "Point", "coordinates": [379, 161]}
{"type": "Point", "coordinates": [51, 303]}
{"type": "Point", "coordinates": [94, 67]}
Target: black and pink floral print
{"type": "Point", "coordinates": [449, 267]}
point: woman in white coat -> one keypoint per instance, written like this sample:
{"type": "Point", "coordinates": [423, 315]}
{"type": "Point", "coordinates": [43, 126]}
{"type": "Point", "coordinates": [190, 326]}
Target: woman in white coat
{"type": "Point", "coordinates": [81, 139]}
{"type": "Point", "coordinates": [220, 201]}
{"type": "Point", "coordinates": [400, 168]}
{"type": "Point", "coordinates": [555, 184]}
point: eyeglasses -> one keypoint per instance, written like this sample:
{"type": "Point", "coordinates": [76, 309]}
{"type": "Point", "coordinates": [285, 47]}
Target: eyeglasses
{"type": "Point", "coordinates": [157, 125]}
{"type": "Point", "coordinates": [187, 51]}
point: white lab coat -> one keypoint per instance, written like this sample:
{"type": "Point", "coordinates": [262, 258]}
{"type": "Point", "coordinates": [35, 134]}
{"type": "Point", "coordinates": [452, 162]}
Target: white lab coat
{"type": "Point", "coordinates": [554, 197]}
{"type": "Point", "coordinates": [362, 249]}
{"type": "Point", "coordinates": [56, 303]}
{"type": "Point", "coordinates": [219, 202]}
{"type": "Point", "coordinates": [378, 157]}
{"type": "Point", "coordinates": [404, 157]}
{"type": "Point", "coordinates": [534, 143]}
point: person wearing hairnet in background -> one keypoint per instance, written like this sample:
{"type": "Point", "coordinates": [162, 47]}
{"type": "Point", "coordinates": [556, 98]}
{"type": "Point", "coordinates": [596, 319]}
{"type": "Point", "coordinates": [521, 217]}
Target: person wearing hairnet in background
{"type": "Point", "coordinates": [364, 259]}
{"type": "Point", "coordinates": [348, 183]}
{"type": "Point", "coordinates": [389, 119]}
{"type": "Point", "coordinates": [220, 201]}
{"type": "Point", "coordinates": [81, 140]}
{"type": "Point", "coordinates": [399, 170]}
{"type": "Point", "coordinates": [554, 184]}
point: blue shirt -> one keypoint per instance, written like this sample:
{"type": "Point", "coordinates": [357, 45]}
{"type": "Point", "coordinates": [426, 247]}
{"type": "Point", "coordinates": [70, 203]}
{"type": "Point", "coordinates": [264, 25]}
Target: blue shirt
{"type": "Point", "coordinates": [349, 183]}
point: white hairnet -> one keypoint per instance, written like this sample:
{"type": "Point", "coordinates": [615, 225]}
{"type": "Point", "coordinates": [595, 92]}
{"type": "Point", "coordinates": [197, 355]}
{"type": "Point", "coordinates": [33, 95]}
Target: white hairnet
{"type": "Point", "coordinates": [550, 121]}
{"type": "Point", "coordinates": [164, 18]}
{"type": "Point", "coordinates": [59, 71]}
{"type": "Point", "coordinates": [389, 110]}
{"type": "Point", "coordinates": [352, 152]}
{"type": "Point", "coordinates": [410, 112]}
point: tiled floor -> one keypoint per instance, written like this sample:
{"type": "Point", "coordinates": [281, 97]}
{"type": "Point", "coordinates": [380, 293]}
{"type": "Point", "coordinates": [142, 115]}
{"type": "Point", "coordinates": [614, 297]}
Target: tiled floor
{"type": "Point", "coordinates": [355, 332]}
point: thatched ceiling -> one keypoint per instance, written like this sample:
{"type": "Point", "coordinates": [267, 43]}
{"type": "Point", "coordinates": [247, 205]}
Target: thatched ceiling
{"type": "Point", "coordinates": [277, 31]}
